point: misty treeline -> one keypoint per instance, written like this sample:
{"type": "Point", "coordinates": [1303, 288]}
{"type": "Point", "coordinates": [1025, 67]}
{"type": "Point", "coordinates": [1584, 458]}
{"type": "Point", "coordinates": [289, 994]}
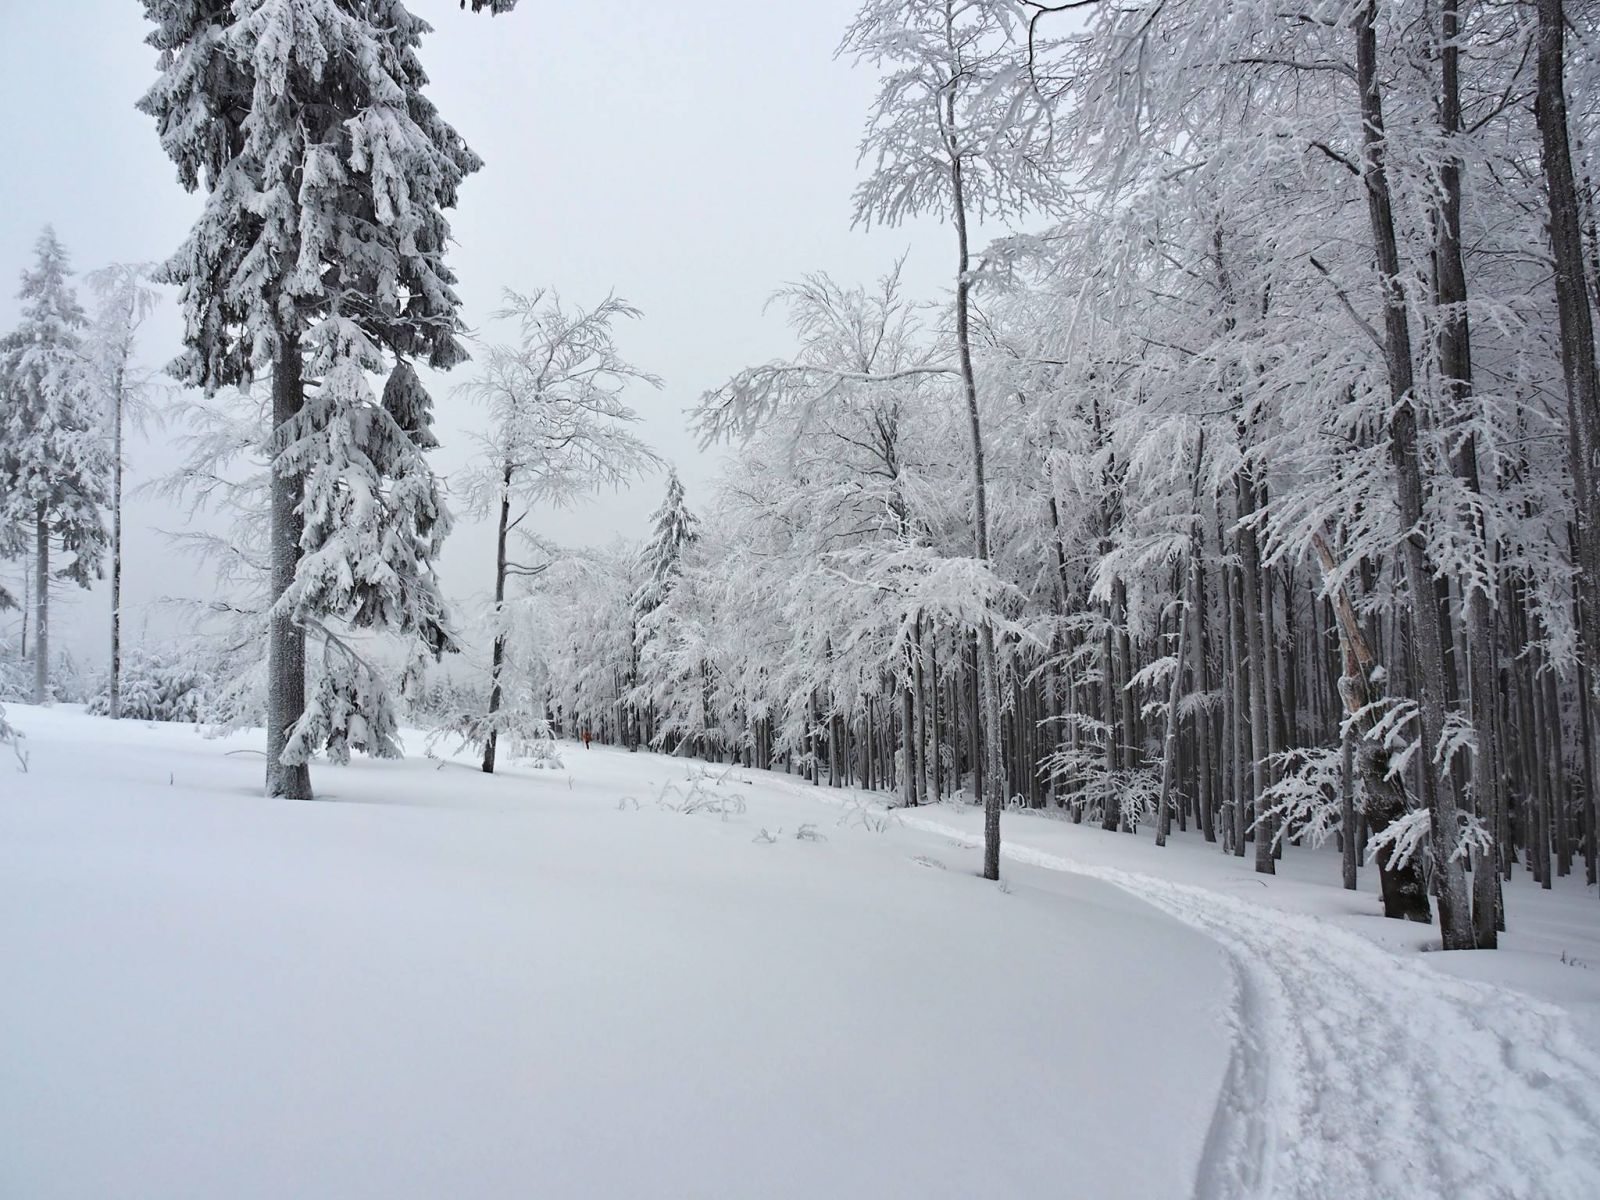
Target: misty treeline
{"type": "Point", "coordinates": [1244, 478]}
{"type": "Point", "coordinates": [1247, 484]}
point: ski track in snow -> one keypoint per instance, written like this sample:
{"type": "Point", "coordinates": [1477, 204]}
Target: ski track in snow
{"type": "Point", "coordinates": [1360, 1073]}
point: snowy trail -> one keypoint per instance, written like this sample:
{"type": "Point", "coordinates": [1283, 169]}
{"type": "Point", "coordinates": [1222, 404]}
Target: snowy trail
{"type": "Point", "coordinates": [1359, 1073]}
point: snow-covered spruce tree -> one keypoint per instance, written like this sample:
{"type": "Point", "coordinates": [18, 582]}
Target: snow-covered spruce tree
{"type": "Point", "coordinates": [673, 530]}
{"type": "Point", "coordinates": [319, 259]}
{"type": "Point", "coordinates": [558, 430]}
{"type": "Point", "coordinates": [125, 302]}
{"type": "Point", "coordinates": [53, 462]}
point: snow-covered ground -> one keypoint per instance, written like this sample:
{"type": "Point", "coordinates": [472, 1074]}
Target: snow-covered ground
{"type": "Point", "coordinates": [550, 983]}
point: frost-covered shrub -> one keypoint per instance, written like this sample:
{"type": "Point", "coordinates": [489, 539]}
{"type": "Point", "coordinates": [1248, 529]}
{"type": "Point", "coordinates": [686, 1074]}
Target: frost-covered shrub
{"type": "Point", "coordinates": [11, 739]}
{"type": "Point", "coordinates": [525, 738]}
{"type": "Point", "coordinates": [16, 679]}
{"type": "Point", "coordinates": [157, 686]}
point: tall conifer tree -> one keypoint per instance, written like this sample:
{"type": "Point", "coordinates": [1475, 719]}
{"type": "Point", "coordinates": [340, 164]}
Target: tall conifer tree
{"type": "Point", "coordinates": [319, 260]}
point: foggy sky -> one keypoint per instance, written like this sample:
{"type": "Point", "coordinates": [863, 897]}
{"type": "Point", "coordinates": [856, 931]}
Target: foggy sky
{"type": "Point", "coordinates": [692, 156]}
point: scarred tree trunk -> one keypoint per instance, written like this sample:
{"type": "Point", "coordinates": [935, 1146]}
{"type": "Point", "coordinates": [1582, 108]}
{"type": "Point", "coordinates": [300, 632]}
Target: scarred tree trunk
{"type": "Point", "coordinates": [286, 639]}
{"type": "Point", "coordinates": [499, 653]}
{"type": "Point", "coordinates": [1404, 894]}
{"type": "Point", "coordinates": [1455, 917]}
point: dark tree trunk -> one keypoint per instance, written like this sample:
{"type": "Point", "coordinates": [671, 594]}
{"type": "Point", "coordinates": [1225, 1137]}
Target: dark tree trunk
{"type": "Point", "coordinates": [41, 605]}
{"type": "Point", "coordinates": [114, 706]}
{"type": "Point", "coordinates": [286, 646]}
{"type": "Point", "coordinates": [498, 655]}
{"type": "Point", "coordinates": [1455, 916]}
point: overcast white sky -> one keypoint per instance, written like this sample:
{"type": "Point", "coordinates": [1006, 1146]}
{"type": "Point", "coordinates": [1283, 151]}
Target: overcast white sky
{"type": "Point", "coordinates": [690, 155]}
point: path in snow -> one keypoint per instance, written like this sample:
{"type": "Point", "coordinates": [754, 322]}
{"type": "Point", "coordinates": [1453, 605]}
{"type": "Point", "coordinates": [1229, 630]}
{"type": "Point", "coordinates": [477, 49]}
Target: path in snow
{"type": "Point", "coordinates": [1360, 1073]}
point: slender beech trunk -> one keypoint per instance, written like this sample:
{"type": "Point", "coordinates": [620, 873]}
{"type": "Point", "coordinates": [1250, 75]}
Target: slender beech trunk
{"type": "Point", "coordinates": [1455, 366]}
{"type": "Point", "coordinates": [1239, 699]}
{"type": "Point", "coordinates": [1125, 697]}
{"type": "Point", "coordinates": [1169, 743]}
{"type": "Point", "coordinates": [988, 734]}
{"type": "Point", "coordinates": [41, 605]}
{"type": "Point", "coordinates": [1260, 749]}
{"type": "Point", "coordinates": [114, 708]}
{"type": "Point", "coordinates": [1574, 315]}
{"type": "Point", "coordinates": [1455, 916]}
{"type": "Point", "coordinates": [498, 655]}
{"type": "Point", "coordinates": [1348, 849]}
{"type": "Point", "coordinates": [1111, 818]}
{"type": "Point", "coordinates": [1187, 612]}
{"type": "Point", "coordinates": [1203, 722]}
{"type": "Point", "coordinates": [286, 644]}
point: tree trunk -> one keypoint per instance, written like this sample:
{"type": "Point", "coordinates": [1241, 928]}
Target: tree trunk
{"type": "Point", "coordinates": [1404, 895]}
{"type": "Point", "coordinates": [1174, 695]}
{"type": "Point", "coordinates": [1250, 570]}
{"type": "Point", "coordinates": [988, 733]}
{"type": "Point", "coordinates": [1455, 365]}
{"type": "Point", "coordinates": [1574, 315]}
{"type": "Point", "coordinates": [1455, 917]}
{"type": "Point", "coordinates": [41, 606]}
{"type": "Point", "coordinates": [114, 705]}
{"type": "Point", "coordinates": [498, 655]}
{"type": "Point", "coordinates": [286, 644]}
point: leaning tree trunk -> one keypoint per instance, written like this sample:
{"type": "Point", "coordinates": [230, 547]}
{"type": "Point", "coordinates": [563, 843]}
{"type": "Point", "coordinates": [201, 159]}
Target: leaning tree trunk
{"type": "Point", "coordinates": [286, 638]}
{"type": "Point", "coordinates": [41, 606]}
{"type": "Point", "coordinates": [1455, 916]}
{"type": "Point", "coordinates": [497, 662]}
{"type": "Point", "coordinates": [1405, 895]}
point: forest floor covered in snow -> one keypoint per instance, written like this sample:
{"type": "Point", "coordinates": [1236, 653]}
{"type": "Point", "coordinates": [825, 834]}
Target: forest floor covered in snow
{"type": "Point", "coordinates": [635, 975]}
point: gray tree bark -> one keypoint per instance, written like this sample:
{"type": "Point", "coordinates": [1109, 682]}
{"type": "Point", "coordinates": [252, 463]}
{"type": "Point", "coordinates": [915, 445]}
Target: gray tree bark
{"type": "Point", "coordinates": [988, 733]}
{"type": "Point", "coordinates": [498, 654]}
{"type": "Point", "coordinates": [286, 639]}
{"type": "Point", "coordinates": [41, 606]}
{"type": "Point", "coordinates": [1455, 917]}
{"type": "Point", "coordinates": [114, 707]}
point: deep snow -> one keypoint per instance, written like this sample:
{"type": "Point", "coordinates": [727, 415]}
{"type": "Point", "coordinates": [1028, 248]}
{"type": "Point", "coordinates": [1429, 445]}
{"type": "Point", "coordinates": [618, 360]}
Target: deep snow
{"type": "Point", "coordinates": [433, 982]}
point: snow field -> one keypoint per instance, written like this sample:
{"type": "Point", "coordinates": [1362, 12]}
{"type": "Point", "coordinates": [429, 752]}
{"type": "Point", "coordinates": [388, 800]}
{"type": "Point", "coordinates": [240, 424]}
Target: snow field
{"type": "Point", "coordinates": [433, 982]}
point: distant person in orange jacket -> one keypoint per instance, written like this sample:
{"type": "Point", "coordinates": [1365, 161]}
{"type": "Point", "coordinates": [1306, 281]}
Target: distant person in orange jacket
{"type": "Point", "coordinates": [585, 737]}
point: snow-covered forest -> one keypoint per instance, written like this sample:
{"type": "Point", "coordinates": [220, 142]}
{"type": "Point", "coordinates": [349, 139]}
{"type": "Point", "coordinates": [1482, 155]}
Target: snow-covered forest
{"type": "Point", "coordinates": [1224, 505]}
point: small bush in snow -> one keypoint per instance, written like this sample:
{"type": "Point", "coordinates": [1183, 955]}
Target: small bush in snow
{"type": "Point", "coordinates": [698, 799]}
{"type": "Point", "coordinates": [808, 833]}
{"type": "Point", "coordinates": [715, 777]}
{"type": "Point", "coordinates": [862, 815]}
